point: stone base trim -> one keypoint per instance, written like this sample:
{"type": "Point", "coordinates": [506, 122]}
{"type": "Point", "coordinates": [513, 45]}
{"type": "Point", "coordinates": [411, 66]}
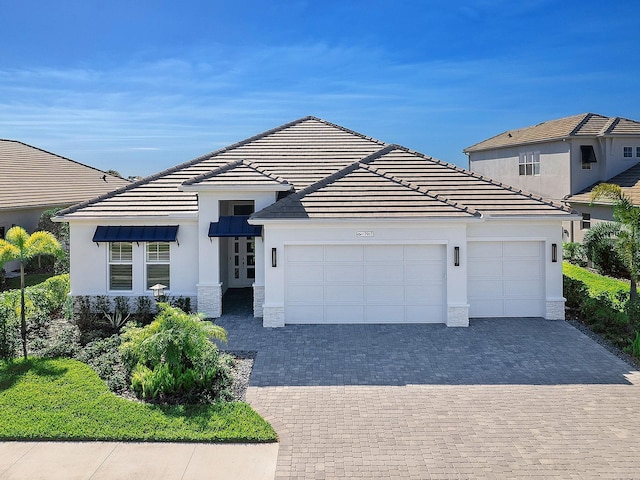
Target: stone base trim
{"type": "Point", "coordinates": [258, 300]}
{"type": "Point", "coordinates": [210, 300]}
{"type": "Point", "coordinates": [273, 316]}
{"type": "Point", "coordinates": [458, 316]}
{"type": "Point", "coordinates": [555, 309]}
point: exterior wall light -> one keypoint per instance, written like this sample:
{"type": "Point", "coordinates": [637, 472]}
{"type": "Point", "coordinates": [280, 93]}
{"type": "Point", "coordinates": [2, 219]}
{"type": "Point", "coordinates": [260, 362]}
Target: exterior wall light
{"type": "Point", "coordinates": [456, 256]}
{"type": "Point", "coordinates": [274, 257]}
{"type": "Point", "coordinates": [554, 252]}
{"type": "Point", "coordinates": [158, 292]}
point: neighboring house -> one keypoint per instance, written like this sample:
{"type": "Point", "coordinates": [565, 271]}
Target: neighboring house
{"type": "Point", "coordinates": [560, 158]}
{"type": "Point", "coordinates": [327, 226]}
{"type": "Point", "coordinates": [34, 180]}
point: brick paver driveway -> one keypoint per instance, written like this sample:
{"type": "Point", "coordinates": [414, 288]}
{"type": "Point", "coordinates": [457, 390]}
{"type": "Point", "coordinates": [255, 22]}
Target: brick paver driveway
{"type": "Point", "coordinates": [510, 398]}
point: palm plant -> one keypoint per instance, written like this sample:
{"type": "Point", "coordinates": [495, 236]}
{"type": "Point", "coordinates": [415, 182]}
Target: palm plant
{"type": "Point", "coordinates": [626, 232]}
{"type": "Point", "coordinates": [19, 245]}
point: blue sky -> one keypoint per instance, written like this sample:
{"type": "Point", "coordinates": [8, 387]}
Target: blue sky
{"type": "Point", "coordinates": [141, 85]}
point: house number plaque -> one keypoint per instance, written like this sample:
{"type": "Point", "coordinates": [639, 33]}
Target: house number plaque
{"type": "Point", "coordinates": [364, 234]}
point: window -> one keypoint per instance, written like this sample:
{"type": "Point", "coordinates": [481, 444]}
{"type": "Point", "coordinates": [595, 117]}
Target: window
{"type": "Point", "coordinates": [1, 232]}
{"type": "Point", "coordinates": [529, 163]}
{"type": "Point", "coordinates": [627, 152]}
{"type": "Point", "coordinates": [120, 266]}
{"type": "Point", "coordinates": [637, 151]}
{"type": "Point", "coordinates": [586, 221]}
{"type": "Point", "coordinates": [588, 156]}
{"type": "Point", "coordinates": [158, 260]}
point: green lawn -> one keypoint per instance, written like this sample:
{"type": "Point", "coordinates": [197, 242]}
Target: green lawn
{"type": "Point", "coordinates": [597, 284]}
{"type": "Point", "coordinates": [62, 399]}
{"type": "Point", "coordinates": [29, 280]}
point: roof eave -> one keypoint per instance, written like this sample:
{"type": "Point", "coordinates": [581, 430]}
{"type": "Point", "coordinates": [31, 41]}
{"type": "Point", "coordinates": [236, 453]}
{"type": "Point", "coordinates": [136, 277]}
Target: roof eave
{"type": "Point", "coordinates": [369, 220]}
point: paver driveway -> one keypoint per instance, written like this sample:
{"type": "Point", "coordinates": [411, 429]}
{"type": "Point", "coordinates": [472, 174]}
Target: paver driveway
{"type": "Point", "coordinates": [509, 398]}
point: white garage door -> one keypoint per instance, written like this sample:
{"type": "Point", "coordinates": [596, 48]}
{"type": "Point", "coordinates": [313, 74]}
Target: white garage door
{"type": "Point", "coordinates": [364, 283]}
{"type": "Point", "coordinates": [505, 279]}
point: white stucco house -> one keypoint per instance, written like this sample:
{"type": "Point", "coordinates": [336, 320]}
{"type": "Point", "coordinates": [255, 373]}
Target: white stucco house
{"type": "Point", "coordinates": [559, 159]}
{"type": "Point", "coordinates": [327, 226]}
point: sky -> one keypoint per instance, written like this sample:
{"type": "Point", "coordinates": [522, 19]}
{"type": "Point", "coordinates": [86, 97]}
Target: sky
{"type": "Point", "coordinates": [141, 85]}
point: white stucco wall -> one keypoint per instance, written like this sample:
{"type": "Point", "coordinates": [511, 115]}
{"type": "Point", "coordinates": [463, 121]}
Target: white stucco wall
{"type": "Point", "coordinates": [89, 265]}
{"type": "Point", "coordinates": [502, 165]}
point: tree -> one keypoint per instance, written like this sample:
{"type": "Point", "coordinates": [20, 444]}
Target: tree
{"type": "Point", "coordinates": [19, 245]}
{"type": "Point", "coordinates": [627, 231]}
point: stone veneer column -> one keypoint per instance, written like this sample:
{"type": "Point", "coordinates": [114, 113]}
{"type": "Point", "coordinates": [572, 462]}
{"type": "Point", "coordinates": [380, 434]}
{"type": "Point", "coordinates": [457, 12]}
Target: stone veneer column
{"type": "Point", "coordinates": [555, 309]}
{"type": "Point", "coordinates": [273, 316]}
{"type": "Point", "coordinates": [210, 300]}
{"type": "Point", "coordinates": [458, 316]}
{"type": "Point", "coordinates": [258, 300]}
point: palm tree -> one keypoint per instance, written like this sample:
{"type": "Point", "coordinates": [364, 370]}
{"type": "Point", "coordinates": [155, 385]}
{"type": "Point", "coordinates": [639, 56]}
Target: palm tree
{"type": "Point", "coordinates": [626, 232]}
{"type": "Point", "coordinates": [19, 245]}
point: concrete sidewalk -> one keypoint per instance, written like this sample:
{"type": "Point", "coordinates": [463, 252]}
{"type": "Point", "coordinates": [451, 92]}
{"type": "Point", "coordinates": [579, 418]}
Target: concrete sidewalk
{"type": "Point", "coordinates": [139, 461]}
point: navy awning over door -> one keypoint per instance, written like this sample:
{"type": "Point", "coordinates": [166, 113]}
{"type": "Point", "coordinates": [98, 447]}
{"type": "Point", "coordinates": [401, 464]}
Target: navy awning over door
{"type": "Point", "coordinates": [125, 233]}
{"type": "Point", "coordinates": [234, 226]}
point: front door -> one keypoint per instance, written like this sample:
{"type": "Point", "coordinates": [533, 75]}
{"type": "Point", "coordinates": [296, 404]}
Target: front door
{"type": "Point", "coordinates": [242, 266]}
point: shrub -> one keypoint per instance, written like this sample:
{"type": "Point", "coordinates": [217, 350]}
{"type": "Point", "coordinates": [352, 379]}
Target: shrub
{"type": "Point", "coordinates": [143, 310]}
{"type": "Point", "coordinates": [183, 303]}
{"type": "Point", "coordinates": [9, 338]}
{"type": "Point", "coordinates": [173, 358]}
{"type": "Point", "coordinates": [103, 356]}
{"type": "Point", "coordinates": [573, 252]}
{"type": "Point", "coordinates": [632, 309]}
{"type": "Point", "coordinates": [575, 291]}
{"type": "Point", "coordinates": [63, 342]}
{"type": "Point", "coordinates": [635, 346]}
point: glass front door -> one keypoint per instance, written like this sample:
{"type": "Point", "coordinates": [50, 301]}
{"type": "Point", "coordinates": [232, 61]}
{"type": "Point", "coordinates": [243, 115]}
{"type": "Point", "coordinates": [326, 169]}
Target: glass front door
{"type": "Point", "coordinates": [242, 266]}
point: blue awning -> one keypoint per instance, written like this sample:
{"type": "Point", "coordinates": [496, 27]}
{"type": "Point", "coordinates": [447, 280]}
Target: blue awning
{"type": "Point", "coordinates": [234, 226]}
{"type": "Point", "coordinates": [155, 233]}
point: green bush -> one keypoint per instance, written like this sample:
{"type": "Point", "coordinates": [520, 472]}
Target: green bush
{"type": "Point", "coordinates": [173, 358]}
{"type": "Point", "coordinates": [9, 337]}
{"type": "Point", "coordinates": [575, 292]}
{"type": "Point", "coordinates": [63, 342]}
{"type": "Point", "coordinates": [104, 357]}
{"type": "Point", "coordinates": [573, 253]}
{"type": "Point", "coordinates": [635, 346]}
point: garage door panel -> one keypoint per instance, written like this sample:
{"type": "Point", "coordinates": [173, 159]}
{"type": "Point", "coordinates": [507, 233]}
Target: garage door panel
{"type": "Point", "coordinates": [344, 273]}
{"type": "Point", "coordinates": [384, 253]}
{"type": "Point", "coordinates": [385, 314]}
{"type": "Point", "coordinates": [486, 287]}
{"type": "Point", "coordinates": [488, 250]}
{"type": "Point", "coordinates": [518, 268]}
{"type": "Point", "coordinates": [423, 314]}
{"type": "Point", "coordinates": [344, 314]}
{"type": "Point", "coordinates": [521, 249]}
{"type": "Point", "coordinates": [305, 253]}
{"type": "Point", "coordinates": [389, 273]}
{"type": "Point", "coordinates": [523, 288]}
{"type": "Point", "coordinates": [486, 308]}
{"type": "Point", "coordinates": [419, 253]}
{"type": "Point", "coordinates": [485, 267]}
{"type": "Point", "coordinates": [302, 294]}
{"type": "Point", "coordinates": [515, 308]}
{"type": "Point", "coordinates": [340, 294]}
{"type": "Point", "coordinates": [304, 314]}
{"type": "Point", "coordinates": [299, 273]}
{"type": "Point", "coordinates": [424, 273]}
{"type": "Point", "coordinates": [344, 253]}
{"type": "Point", "coordinates": [384, 294]}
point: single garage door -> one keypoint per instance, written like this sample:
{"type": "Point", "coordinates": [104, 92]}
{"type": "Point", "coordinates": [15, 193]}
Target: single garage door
{"type": "Point", "coordinates": [505, 279]}
{"type": "Point", "coordinates": [364, 283]}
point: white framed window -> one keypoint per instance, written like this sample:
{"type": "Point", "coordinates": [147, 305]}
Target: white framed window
{"type": "Point", "coordinates": [529, 163]}
{"type": "Point", "coordinates": [121, 266]}
{"type": "Point", "coordinates": [158, 260]}
{"type": "Point", "coordinates": [586, 221]}
{"type": "Point", "coordinates": [627, 152]}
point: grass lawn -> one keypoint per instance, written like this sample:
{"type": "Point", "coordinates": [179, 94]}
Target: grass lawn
{"type": "Point", "coordinates": [29, 280]}
{"type": "Point", "coordinates": [597, 284]}
{"type": "Point", "coordinates": [62, 399]}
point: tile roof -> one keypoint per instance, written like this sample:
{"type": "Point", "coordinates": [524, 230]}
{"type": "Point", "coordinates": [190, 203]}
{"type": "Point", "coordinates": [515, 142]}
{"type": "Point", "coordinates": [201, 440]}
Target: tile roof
{"type": "Point", "coordinates": [397, 182]}
{"type": "Point", "coordinates": [333, 172]}
{"type": "Point", "coordinates": [629, 180]}
{"type": "Point", "coordinates": [32, 177]}
{"type": "Point", "coordinates": [583, 125]}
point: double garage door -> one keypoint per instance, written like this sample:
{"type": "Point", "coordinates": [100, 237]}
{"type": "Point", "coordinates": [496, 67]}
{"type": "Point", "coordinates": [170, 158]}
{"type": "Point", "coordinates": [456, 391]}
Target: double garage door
{"type": "Point", "coordinates": [364, 283]}
{"type": "Point", "coordinates": [506, 279]}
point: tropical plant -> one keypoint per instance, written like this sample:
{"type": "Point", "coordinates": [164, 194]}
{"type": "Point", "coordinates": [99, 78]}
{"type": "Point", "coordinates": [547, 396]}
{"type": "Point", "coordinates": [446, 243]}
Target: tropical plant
{"type": "Point", "coordinates": [573, 252]}
{"type": "Point", "coordinates": [174, 356]}
{"type": "Point", "coordinates": [599, 245]}
{"type": "Point", "coordinates": [19, 245]}
{"type": "Point", "coordinates": [117, 319]}
{"type": "Point", "coordinates": [626, 231]}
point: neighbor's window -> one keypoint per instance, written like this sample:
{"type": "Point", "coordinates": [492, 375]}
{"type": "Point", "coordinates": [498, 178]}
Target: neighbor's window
{"type": "Point", "coordinates": [586, 221]}
{"type": "Point", "coordinates": [637, 151]}
{"type": "Point", "coordinates": [121, 266]}
{"type": "Point", "coordinates": [627, 152]}
{"type": "Point", "coordinates": [529, 163]}
{"type": "Point", "coordinates": [158, 260]}
{"type": "Point", "coordinates": [1, 232]}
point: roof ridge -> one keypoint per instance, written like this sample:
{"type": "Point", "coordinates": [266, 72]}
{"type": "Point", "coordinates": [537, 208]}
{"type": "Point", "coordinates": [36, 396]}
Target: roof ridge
{"type": "Point", "coordinates": [62, 157]}
{"type": "Point", "coordinates": [230, 166]}
{"type": "Point", "coordinates": [486, 179]}
{"type": "Point", "coordinates": [417, 188]}
{"type": "Point", "coordinates": [345, 129]}
{"type": "Point", "coordinates": [181, 166]}
{"type": "Point", "coordinates": [260, 169]}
